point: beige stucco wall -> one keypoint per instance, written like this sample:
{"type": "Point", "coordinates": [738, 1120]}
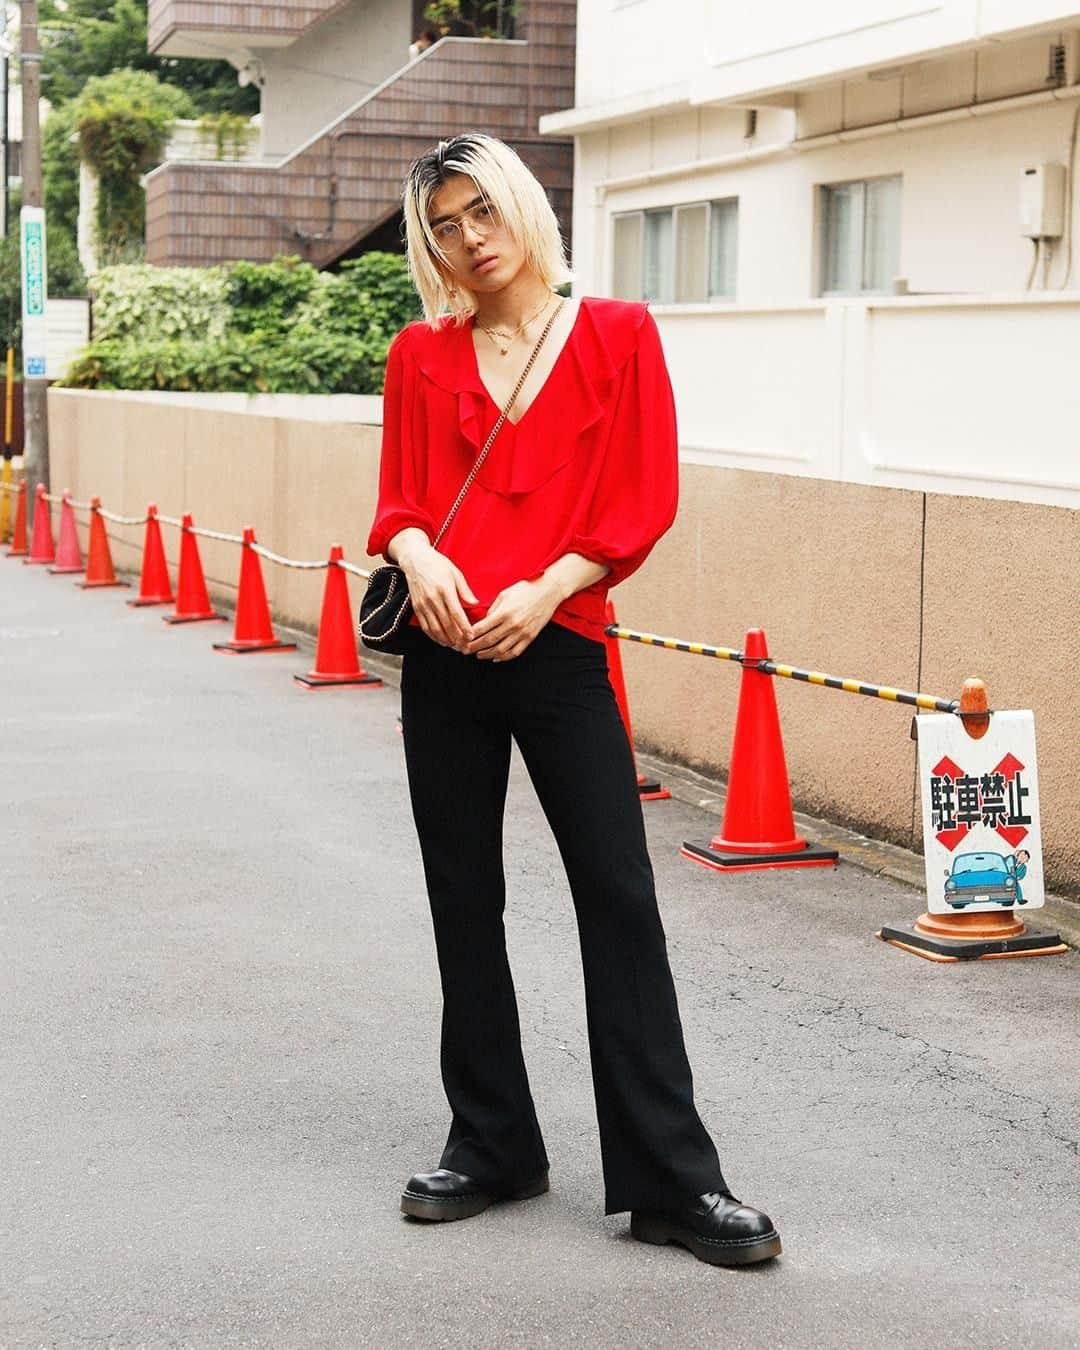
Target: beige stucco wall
{"type": "Point", "coordinates": [842, 577]}
{"type": "Point", "coordinates": [302, 482]}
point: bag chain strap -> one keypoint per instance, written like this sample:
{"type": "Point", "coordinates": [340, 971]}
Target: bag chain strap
{"type": "Point", "coordinates": [498, 425]}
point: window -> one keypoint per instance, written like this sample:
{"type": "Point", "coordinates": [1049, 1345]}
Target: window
{"type": "Point", "coordinates": [682, 254]}
{"type": "Point", "coordinates": [659, 257]}
{"type": "Point", "coordinates": [860, 252]}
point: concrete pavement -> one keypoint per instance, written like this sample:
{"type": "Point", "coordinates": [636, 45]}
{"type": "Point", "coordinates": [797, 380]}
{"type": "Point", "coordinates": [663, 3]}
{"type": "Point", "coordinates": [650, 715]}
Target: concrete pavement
{"type": "Point", "coordinates": [220, 1057]}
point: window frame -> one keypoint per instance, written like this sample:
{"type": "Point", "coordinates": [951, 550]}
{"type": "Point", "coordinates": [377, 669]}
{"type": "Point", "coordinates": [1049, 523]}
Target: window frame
{"type": "Point", "coordinates": [673, 210]}
{"type": "Point", "coordinates": [859, 247]}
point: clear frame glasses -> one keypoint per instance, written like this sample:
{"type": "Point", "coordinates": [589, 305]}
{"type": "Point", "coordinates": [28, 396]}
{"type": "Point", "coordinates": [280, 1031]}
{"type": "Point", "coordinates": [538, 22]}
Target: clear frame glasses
{"type": "Point", "coordinates": [482, 219]}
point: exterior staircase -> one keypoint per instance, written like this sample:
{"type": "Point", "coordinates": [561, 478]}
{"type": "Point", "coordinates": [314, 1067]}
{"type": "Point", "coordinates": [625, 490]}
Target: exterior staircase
{"type": "Point", "coordinates": [343, 186]}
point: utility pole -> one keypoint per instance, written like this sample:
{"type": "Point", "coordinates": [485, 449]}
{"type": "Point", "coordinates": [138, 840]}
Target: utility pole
{"type": "Point", "coordinates": [36, 453]}
{"type": "Point", "coordinates": [4, 76]}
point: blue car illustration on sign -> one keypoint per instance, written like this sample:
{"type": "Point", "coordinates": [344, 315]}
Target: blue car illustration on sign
{"type": "Point", "coordinates": [980, 877]}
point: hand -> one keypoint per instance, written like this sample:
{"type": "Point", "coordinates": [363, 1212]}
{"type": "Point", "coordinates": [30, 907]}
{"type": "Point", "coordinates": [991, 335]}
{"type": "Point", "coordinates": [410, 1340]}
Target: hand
{"type": "Point", "coordinates": [514, 619]}
{"type": "Point", "coordinates": [437, 588]}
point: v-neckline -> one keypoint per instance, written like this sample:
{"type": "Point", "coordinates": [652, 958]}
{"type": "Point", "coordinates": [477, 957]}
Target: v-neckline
{"type": "Point", "coordinates": [547, 380]}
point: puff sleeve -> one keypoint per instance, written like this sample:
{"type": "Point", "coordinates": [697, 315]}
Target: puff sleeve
{"type": "Point", "coordinates": [400, 473]}
{"type": "Point", "coordinates": [637, 490]}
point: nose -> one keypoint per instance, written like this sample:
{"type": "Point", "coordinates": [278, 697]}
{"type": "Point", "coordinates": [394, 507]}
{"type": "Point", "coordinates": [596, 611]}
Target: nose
{"type": "Point", "coordinates": [470, 227]}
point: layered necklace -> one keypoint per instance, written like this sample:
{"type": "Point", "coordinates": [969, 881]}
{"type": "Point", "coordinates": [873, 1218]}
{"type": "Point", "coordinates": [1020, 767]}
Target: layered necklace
{"type": "Point", "coordinates": [503, 337]}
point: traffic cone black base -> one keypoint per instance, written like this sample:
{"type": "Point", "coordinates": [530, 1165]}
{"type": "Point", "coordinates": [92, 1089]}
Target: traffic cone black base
{"type": "Point", "coordinates": [242, 648]}
{"type": "Point", "coordinates": [328, 682]}
{"type": "Point", "coordinates": [194, 618]}
{"type": "Point", "coordinates": [1031, 942]}
{"type": "Point", "coordinates": [652, 790]}
{"type": "Point", "coordinates": [810, 856]}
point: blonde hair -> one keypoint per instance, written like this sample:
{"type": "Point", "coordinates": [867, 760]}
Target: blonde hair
{"type": "Point", "coordinates": [510, 186]}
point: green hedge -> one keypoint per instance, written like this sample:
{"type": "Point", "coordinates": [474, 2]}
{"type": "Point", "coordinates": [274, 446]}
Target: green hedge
{"type": "Point", "coordinates": [279, 327]}
{"type": "Point", "coordinates": [307, 363]}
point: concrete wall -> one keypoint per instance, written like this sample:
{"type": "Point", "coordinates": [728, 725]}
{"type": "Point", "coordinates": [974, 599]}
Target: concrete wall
{"type": "Point", "coordinates": [302, 482]}
{"type": "Point", "coordinates": [899, 587]}
{"type": "Point", "coordinates": [311, 83]}
{"type": "Point", "coordinates": [944, 394]}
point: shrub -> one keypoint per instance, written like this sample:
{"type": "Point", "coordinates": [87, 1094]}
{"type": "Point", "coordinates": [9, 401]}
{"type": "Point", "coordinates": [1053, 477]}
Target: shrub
{"type": "Point", "coordinates": [306, 362]}
{"type": "Point", "coordinates": [315, 361]}
{"type": "Point", "coordinates": [371, 296]}
{"type": "Point", "coordinates": [279, 327]}
{"type": "Point", "coordinates": [154, 303]}
{"type": "Point", "coordinates": [211, 365]}
{"type": "Point", "coordinates": [264, 297]}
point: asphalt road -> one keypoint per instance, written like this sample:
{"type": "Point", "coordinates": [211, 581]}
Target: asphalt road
{"type": "Point", "coordinates": [220, 1062]}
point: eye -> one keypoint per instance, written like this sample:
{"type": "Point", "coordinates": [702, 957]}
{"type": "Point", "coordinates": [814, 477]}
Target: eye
{"type": "Point", "coordinates": [484, 211]}
{"type": "Point", "coordinates": [444, 233]}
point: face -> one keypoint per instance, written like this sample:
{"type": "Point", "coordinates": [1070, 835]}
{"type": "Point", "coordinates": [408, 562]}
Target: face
{"type": "Point", "coordinates": [481, 254]}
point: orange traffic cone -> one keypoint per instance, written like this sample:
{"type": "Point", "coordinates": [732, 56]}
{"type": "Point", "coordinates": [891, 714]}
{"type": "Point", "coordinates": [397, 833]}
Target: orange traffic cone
{"type": "Point", "coordinates": [18, 539]}
{"type": "Point", "coordinates": [253, 631]}
{"type": "Point", "coordinates": [154, 587]}
{"type": "Point", "coordinates": [337, 658]}
{"type": "Point", "coordinates": [42, 548]}
{"type": "Point", "coordinates": [982, 935]}
{"type": "Point", "coordinates": [192, 600]}
{"type": "Point", "coordinates": [68, 553]}
{"type": "Point", "coordinates": [758, 829]}
{"type": "Point", "coordinates": [99, 566]}
{"type": "Point", "coordinates": [649, 789]}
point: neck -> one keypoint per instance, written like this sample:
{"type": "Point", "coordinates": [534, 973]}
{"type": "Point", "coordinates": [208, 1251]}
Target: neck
{"type": "Point", "coordinates": [512, 305]}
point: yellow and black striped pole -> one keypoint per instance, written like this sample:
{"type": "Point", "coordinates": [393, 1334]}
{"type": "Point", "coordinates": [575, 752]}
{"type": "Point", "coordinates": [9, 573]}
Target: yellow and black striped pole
{"type": "Point", "coordinates": [674, 644]}
{"type": "Point", "coordinates": [770, 667]}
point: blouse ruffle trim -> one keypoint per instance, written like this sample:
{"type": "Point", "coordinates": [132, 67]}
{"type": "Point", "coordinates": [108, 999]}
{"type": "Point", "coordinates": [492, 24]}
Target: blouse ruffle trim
{"type": "Point", "coordinates": [602, 341]}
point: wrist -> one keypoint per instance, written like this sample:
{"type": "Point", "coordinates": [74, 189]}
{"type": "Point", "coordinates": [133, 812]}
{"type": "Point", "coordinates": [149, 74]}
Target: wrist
{"type": "Point", "coordinates": [412, 546]}
{"type": "Point", "coordinates": [554, 586]}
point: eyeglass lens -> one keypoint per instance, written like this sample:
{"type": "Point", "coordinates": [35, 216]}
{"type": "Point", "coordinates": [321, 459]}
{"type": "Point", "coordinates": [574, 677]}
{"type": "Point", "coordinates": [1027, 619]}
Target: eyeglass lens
{"type": "Point", "coordinates": [482, 219]}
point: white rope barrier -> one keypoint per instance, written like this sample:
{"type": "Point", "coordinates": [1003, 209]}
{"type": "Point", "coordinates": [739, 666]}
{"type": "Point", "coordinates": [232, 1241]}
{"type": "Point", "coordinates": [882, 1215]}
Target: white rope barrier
{"type": "Point", "coordinates": [220, 535]}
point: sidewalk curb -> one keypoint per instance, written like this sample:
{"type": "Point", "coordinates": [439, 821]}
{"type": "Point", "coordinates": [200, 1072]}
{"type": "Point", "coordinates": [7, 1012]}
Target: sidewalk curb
{"type": "Point", "coordinates": [697, 789]}
{"type": "Point", "coordinates": [871, 855]}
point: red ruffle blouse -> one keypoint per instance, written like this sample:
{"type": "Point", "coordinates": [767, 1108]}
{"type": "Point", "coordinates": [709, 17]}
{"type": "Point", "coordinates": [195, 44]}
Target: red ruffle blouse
{"type": "Point", "coordinates": [591, 467]}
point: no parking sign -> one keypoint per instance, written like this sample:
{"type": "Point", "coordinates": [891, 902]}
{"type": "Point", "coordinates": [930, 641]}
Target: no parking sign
{"type": "Point", "coordinates": [980, 808]}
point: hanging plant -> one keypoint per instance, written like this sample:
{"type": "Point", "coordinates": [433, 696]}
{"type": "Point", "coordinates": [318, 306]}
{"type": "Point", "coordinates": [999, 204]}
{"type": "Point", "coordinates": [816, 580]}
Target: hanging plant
{"type": "Point", "coordinates": [123, 121]}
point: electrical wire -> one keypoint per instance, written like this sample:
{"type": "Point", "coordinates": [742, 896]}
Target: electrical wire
{"type": "Point", "coordinates": [1034, 263]}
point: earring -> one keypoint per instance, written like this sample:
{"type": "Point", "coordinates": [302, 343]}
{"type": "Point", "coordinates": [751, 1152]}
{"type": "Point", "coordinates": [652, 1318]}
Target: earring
{"type": "Point", "coordinates": [453, 292]}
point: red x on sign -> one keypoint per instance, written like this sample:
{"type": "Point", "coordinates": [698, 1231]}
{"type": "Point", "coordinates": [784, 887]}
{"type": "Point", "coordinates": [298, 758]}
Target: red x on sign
{"type": "Point", "coordinates": [996, 799]}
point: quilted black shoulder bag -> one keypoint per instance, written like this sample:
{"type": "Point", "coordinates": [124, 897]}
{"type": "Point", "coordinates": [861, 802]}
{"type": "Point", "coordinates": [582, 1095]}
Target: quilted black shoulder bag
{"type": "Point", "coordinates": [386, 607]}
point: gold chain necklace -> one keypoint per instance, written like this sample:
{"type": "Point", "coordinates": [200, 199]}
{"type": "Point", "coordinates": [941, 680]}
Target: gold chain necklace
{"type": "Point", "coordinates": [508, 336]}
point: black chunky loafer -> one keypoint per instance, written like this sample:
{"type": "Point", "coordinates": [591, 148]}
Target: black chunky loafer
{"type": "Point", "coordinates": [443, 1194]}
{"type": "Point", "coordinates": [718, 1229]}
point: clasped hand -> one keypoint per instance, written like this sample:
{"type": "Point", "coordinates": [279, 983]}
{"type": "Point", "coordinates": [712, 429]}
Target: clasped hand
{"type": "Point", "coordinates": [438, 589]}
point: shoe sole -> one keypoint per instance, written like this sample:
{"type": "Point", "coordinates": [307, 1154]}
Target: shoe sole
{"type": "Point", "coordinates": [440, 1209]}
{"type": "Point", "coordinates": [714, 1251]}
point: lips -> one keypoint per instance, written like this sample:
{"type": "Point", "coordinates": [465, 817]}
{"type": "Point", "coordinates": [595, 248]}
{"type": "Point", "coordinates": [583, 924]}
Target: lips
{"type": "Point", "coordinates": [482, 264]}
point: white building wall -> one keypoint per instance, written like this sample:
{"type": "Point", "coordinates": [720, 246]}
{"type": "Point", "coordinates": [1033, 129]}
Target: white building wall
{"type": "Point", "coordinates": [318, 78]}
{"type": "Point", "coordinates": [960, 230]}
{"type": "Point", "coordinates": [723, 51]}
{"type": "Point", "coordinates": [963, 386]}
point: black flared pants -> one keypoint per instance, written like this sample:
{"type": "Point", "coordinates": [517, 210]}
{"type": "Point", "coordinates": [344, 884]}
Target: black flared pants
{"type": "Point", "coordinates": [458, 716]}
